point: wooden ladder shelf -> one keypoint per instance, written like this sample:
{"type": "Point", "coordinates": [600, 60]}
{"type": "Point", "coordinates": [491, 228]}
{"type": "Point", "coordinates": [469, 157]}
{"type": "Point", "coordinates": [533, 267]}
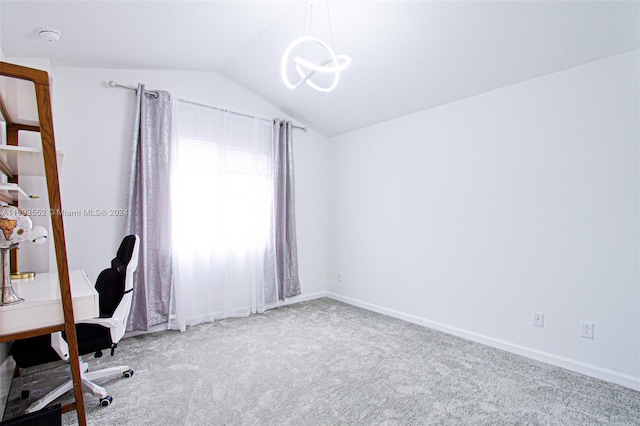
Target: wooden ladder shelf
{"type": "Point", "coordinates": [44, 126]}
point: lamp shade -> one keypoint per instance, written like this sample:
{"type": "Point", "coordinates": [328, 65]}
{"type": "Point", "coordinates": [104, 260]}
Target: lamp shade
{"type": "Point", "coordinates": [39, 234]}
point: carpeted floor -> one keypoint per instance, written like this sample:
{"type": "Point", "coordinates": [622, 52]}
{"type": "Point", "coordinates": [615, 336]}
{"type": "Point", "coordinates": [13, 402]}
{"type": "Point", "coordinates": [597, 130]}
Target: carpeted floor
{"type": "Point", "coordinates": [327, 363]}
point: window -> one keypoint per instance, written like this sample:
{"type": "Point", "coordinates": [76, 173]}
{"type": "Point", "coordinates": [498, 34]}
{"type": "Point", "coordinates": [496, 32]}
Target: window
{"type": "Point", "coordinates": [222, 198]}
{"type": "Point", "coordinates": [222, 214]}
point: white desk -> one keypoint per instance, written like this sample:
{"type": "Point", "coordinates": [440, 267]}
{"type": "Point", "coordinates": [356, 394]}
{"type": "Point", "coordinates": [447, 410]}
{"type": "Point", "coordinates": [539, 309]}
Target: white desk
{"type": "Point", "coordinates": [43, 305]}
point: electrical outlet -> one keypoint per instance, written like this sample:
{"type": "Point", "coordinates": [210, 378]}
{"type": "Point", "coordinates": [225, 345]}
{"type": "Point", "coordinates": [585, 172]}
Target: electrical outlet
{"type": "Point", "coordinates": [538, 319]}
{"type": "Point", "coordinates": [339, 276]}
{"type": "Point", "coordinates": [586, 329]}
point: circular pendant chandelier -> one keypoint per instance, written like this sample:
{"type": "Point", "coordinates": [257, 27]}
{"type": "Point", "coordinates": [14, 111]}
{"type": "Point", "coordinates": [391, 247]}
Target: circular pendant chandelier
{"type": "Point", "coordinates": [305, 68]}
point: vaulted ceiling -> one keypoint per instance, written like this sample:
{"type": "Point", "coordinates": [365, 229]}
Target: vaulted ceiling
{"type": "Point", "coordinates": [407, 56]}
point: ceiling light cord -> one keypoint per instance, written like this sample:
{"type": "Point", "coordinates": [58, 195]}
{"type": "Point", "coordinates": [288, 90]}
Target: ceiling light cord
{"type": "Point", "coordinates": [308, 45]}
{"type": "Point", "coordinates": [305, 30]}
{"type": "Point", "coordinates": [333, 46]}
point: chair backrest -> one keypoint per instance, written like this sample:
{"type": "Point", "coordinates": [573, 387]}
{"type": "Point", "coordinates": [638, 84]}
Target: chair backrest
{"type": "Point", "coordinates": [133, 264]}
{"type": "Point", "coordinates": [111, 283]}
{"type": "Point", "coordinates": [119, 280]}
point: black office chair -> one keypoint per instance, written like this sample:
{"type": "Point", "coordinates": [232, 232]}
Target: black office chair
{"type": "Point", "coordinates": [114, 286]}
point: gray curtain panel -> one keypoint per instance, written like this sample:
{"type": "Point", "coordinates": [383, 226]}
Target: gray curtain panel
{"type": "Point", "coordinates": [150, 210]}
{"type": "Point", "coordinates": [285, 220]}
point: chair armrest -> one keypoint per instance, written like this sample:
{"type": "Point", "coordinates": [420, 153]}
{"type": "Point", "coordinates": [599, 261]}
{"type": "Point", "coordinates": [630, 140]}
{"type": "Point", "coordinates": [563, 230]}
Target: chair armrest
{"type": "Point", "coordinates": [116, 327]}
{"type": "Point", "coordinates": [105, 322]}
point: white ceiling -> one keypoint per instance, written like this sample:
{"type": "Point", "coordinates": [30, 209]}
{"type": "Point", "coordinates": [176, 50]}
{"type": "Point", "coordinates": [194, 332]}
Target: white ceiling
{"type": "Point", "coordinates": [407, 56]}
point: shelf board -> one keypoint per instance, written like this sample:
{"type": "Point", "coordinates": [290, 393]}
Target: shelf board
{"type": "Point", "coordinates": [23, 161]}
{"type": "Point", "coordinates": [11, 193]}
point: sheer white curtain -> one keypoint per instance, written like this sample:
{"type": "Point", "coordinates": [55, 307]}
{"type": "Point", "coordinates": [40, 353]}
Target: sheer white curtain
{"type": "Point", "coordinates": [223, 203]}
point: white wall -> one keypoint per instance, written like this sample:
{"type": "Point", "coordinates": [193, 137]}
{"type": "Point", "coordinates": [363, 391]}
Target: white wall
{"type": "Point", "coordinates": [93, 125]}
{"type": "Point", "coordinates": [471, 216]}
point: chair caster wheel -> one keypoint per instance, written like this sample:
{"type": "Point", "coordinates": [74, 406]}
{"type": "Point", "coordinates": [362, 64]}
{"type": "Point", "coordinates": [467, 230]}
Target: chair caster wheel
{"type": "Point", "coordinates": [24, 394]}
{"type": "Point", "coordinates": [106, 401]}
{"type": "Point", "coordinates": [128, 373]}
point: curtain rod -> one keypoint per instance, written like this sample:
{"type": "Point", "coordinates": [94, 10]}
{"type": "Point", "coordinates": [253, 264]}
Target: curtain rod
{"type": "Point", "coordinates": [120, 86]}
{"type": "Point", "coordinates": [236, 113]}
{"type": "Point", "coordinates": [155, 95]}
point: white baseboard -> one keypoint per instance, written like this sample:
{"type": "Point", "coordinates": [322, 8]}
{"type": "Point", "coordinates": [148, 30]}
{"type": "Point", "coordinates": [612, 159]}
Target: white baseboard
{"type": "Point", "coordinates": [305, 298]}
{"type": "Point", "coordinates": [625, 380]}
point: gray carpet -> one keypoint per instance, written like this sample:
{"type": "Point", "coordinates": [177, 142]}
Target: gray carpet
{"type": "Point", "coordinates": [325, 362]}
